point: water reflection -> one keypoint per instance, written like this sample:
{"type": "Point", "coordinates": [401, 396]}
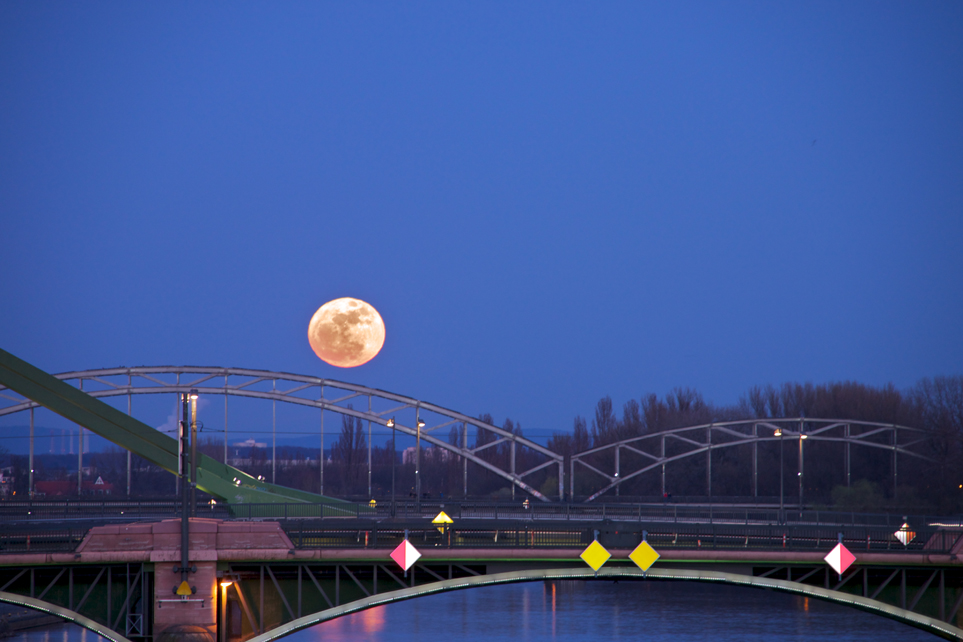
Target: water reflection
{"type": "Point", "coordinates": [583, 611]}
{"type": "Point", "coordinates": [589, 611]}
{"type": "Point", "coordinates": [56, 633]}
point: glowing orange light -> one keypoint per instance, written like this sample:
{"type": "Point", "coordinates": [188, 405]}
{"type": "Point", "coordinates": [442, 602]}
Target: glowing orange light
{"type": "Point", "coordinates": [372, 620]}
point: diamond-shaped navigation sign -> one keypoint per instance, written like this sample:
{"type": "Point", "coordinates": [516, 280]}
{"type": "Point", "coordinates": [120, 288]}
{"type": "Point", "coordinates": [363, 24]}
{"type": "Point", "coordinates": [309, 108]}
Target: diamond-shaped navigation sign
{"type": "Point", "coordinates": [905, 534]}
{"type": "Point", "coordinates": [644, 556]}
{"type": "Point", "coordinates": [442, 521]}
{"type": "Point", "coordinates": [595, 555]}
{"type": "Point", "coordinates": [405, 555]}
{"type": "Point", "coordinates": [840, 558]}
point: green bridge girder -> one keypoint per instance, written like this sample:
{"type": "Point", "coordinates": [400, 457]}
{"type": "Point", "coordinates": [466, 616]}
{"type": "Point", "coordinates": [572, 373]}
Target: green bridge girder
{"type": "Point", "coordinates": [225, 482]}
{"type": "Point", "coordinates": [433, 582]}
{"type": "Point", "coordinates": [277, 598]}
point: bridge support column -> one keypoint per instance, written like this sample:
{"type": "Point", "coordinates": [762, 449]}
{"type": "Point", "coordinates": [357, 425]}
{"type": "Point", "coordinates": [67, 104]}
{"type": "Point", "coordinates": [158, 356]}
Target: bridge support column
{"type": "Point", "coordinates": [755, 461]}
{"type": "Point", "coordinates": [709, 462]}
{"type": "Point", "coordinates": [30, 463]}
{"type": "Point", "coordinates": [172, 614]}
{"type": "Point", "coordinates": [846, 435]}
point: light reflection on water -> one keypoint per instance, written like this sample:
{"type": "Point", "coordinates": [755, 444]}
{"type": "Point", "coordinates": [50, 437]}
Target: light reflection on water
{"type": "Point", "coordinates": [583, 611]}
{"type": "Point", "coordinates": [56, 633]}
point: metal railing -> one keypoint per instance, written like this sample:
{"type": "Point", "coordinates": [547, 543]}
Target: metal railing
{"type": "Point", "coordinates": [104, 509]}
{"type": "Point", "coordinates": [505, 532]}
{"type": "Point", "coordinates": [39, 540]}
{"type": "Point", "coordinates": [710, 537]}
{"type": "Point", "coordinates": [675, 513]}
{"type": "Point", "coordinates": [667, 512]}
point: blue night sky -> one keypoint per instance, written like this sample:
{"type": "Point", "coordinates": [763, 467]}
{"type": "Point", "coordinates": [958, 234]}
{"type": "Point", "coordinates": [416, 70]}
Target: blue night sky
{"type": "Point", "coordinates": [547, 203]}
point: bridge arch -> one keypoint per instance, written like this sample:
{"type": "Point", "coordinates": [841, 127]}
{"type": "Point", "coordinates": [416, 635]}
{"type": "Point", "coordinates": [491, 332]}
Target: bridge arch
{"type": "Point", "coordinates": [419, 419]}
{"type": "Point", "coordinates": [699, 441]}
{"type": "Point", "coordinates": [917, 620]}
{"type": "Point", "coordinates": [64, 613]}
{"type": "Point", "coordinates": [423, 420]}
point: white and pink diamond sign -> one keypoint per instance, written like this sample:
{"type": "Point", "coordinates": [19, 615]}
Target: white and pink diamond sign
{"type": "Point", "coordinates": [840, 558]}
{"type": "Point", "coordinates": [405, 555]}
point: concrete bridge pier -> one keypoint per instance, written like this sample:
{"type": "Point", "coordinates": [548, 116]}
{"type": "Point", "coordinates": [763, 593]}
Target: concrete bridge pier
{"type": "Point", "coordinates": [192, 618]}
{"type": "Point", "coordinates": [120, 581]}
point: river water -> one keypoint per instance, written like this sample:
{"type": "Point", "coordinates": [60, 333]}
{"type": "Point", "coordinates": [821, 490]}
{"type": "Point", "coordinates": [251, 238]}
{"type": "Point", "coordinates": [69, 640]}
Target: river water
{"type": "Point", "coordinates": [584, 611]}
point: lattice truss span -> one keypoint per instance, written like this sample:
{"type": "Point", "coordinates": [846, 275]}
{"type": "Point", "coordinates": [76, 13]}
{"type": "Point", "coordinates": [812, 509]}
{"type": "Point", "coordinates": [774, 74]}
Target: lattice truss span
{"type": "Point", "coordinates": [424, 421]}
{"type": "Point", "coordinates": [621, 461]}
{"type": "Point", "coordinates": [610, 465]}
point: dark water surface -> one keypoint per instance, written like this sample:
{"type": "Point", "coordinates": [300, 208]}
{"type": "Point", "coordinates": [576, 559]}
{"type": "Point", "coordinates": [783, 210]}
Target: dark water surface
{"type": "Point", "coordinates": [582, 611]}
{"type": "Point", "coordinates": [577, 611]}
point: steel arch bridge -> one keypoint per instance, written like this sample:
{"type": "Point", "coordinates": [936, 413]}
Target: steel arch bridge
{"type": "Point", "coordinates": [406, 415]}
{"type": "Point", "coordinates": [692, 441]}
{"type": "Point", "coordinates": [927, 623]}
{"type": "Point", "coordinates": [296, 584]}
{"type": "Point", "coordinates": [423, 421]}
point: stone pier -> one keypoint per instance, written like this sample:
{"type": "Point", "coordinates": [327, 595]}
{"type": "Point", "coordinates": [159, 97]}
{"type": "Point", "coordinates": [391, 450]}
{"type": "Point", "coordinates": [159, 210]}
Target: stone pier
{"type": "Point", "coordinates": [194, 616]}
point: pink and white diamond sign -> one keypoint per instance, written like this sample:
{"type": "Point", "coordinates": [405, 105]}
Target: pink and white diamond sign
{"type": "Point", "coordinates": [840, 558]}
{"type": "Point", "coordinates": [405, 555]}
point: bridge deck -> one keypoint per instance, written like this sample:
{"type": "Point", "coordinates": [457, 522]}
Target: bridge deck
{"type": "Point", "coordinates": [282, 573]}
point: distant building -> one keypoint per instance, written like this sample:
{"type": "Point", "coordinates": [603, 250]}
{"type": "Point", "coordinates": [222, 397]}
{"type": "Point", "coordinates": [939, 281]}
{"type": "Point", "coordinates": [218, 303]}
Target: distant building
{"type": "Point", "coordinates": [437, 454]}
{"type": "Point", "coordinates": [6, 482]}
{"type": "Point", "coordinates": [69, 487]}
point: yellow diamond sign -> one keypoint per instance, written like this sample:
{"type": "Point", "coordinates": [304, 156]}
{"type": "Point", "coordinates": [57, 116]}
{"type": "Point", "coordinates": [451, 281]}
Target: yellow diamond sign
{"type": "Point", "coordinates": [644, 556]}
{"type": "Point", "coordinates": [595, 555]}
{"type": "Point", "coordinates": [442, 518]}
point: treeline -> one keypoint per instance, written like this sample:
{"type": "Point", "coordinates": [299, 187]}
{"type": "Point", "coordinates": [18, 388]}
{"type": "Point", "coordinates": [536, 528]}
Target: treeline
{"type": "Point", "coordinates": [933, 404]}
{"type": "Point", "coordinates": [933, 484]}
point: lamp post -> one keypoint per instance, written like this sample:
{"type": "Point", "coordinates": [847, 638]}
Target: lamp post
{"type": "Point", "coordinates": [801, 438]}
{"type": "Point", "coordinates": [184, 466]}
{"type": "Point", "coordinates": [30, 463]}
{"type": "Point", "coordinates": [420, 424]}
{"type": "Point", "coordinates": [225, 584]}
{"type": "Point", "coordinates": [394, 455]}
{"type": "Point", "coordinates": [193, 397]}
{"type": "Point", "coordinates": [778, 433]}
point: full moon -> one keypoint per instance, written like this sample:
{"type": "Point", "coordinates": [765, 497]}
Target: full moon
{"type": "Point", "coordinates": [346, 332]}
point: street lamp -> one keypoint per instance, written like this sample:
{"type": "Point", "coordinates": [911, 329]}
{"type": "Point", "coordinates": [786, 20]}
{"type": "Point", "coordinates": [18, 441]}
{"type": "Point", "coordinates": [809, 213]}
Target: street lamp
{"type": "Point", "coordinates": [193, 398]}
{"type": "Point", "coordinates": [802, 436]}
{"type": "Point", "coordinates": [420, 424]}
{"type": "Point", "coordinates": [394, 455]}
{"type": "Point", "coordinates": [184, 469]}
{"type": "Point", "coordinates": [778, 433]}
{"type": "Point", "coordinates": [225, 584]}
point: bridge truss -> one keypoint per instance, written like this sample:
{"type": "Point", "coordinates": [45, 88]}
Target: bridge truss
{"type": "Point", "coordinates": [653, 452]}
{"type": "Point", "coordinates": [420, 419]}
{"type": "Point", "coordinates": [614, 464]}
{"type": "Point", "coordinates": [919, 583]}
